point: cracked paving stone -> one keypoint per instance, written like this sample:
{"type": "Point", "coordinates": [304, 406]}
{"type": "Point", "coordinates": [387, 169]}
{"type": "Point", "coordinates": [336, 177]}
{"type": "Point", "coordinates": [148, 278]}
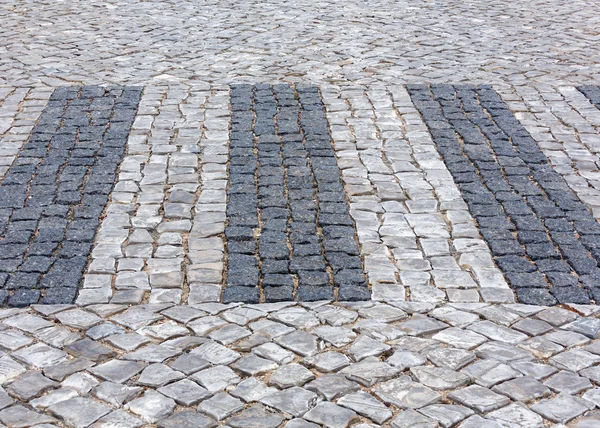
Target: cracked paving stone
{"type": "Point", "coordinates": [406, 359]}
{"type": "Point", "coordinates": [128, 341]}
{"type": "Point", "coordinates": [479, 398]}
{"type": "Point", "coordinates": [295, 401]}
{"type": "Point", "coordinates": [118, 418]}
{"type": "Point", "coordinates": [53, 397]}
{"type": "Point", "coordinates": [404, 393]}
{"type": "Point", "coordinates": [274, 352]}
{"type": "Point", "coordinates": [366, 347]}
{"type": "Point", "coordinates": [337, 336]}
{"type": "Point", "coordinates": [221, 406]}
{"type": "Point", "coordinates": [9, 369]}
{"type": "Point", "coordinates": [365, 405]}
{"type": "Point", "coordinates": [40, 355]}
{"type": "Point", "coordinates": [488, 373]}
{"type": "Point", "coordinates": [327, 362]}
{"type": "Point", "coordinates": [254, 365]}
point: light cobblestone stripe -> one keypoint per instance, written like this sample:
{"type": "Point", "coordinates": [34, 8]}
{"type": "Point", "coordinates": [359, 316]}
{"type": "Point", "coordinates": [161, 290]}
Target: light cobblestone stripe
{"type": "Point", "coordinates": [566, 127]}
{"type": "Point", "coordinates": [159, 222]}
{"type": "Point", "coordinates": [417, 238]}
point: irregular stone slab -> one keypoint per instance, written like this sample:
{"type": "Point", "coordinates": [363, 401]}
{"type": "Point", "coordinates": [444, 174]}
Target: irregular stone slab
{"type": "Point", "coordinates": [479, 398]}
{"type": "Point", "coordinates": [117, 370]}
{"type": "Point", "coordinates": [216, 353]}
{"type": "Point", "coordinates": [221, 406]}
{"type": "Point", "coordinates": [568, 382]}
{"type": "Point", "coordinates": [295, 401]}
{"type": "Point", "coordinates": [439, 378]}
{"type": "Point", "coordinates": [252, 389]}
{"type": "Point", "coordinates": [29, 385]}
{"type": "Point", "coordinates": [19, 416]}
{"type": "Point", "coordinates": [116, 394]}
{"type": "Point", "coordinates": [9, 369]}
{"type": "Point", "coordinates": [488, 373]}
{"type": "Point", "coordinates": [187, 419]}
{"type": "Point", "coordinates": [185, 392]}
{"type": "Point", "coordinates": [118, 418]}
{"type": "Point", "coordinates": [156, 375]}
{"type": "Point", "coordinates": [300, 342]}
{"type": "Point", "coordinates": [561, 408]}
{"type": "Point", "coordinates": [406, 394]}
{"type": "Point", "coordinates": [410, 418]}
{"type": "Point", "coordinates": [369, 373]}
{"type": "Point", "coordinates": [152, 406]}
{"type": "Point", "coordinates": [291, 375]}
{"type": "Point", "coordinates": [216, 378]}
{"type": "Point", "coordinates": [332, 386]}
{"type": "Point", "coordinates": [330, 415]}
{"type": "Point", "coordinates": [523, 389]}
{"type": "Point", "coordinates": [329, 361]}
{"type": "Point", "coordinates": [446, 414]}
{"type": "Point", "coordinates": [256, 417]}
{"type": "Point", "coordinates": [79, 412]}
{"type": "Point", "coordinates": [366, 405]}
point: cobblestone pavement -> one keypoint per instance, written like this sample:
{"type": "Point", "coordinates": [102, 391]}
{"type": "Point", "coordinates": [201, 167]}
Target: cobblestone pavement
{"type": "Point", "coordinates": [159, 160]}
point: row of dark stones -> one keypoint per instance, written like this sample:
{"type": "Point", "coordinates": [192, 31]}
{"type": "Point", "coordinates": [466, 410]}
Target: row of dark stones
{"type": "Point", "coordinates": [289, 234]}
{"type": "Point", "coordinates": [541, 235]}
{"type": "Point", "coordinates": [54, 193]}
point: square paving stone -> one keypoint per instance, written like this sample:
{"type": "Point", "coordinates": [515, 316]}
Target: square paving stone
{"type": "Point", "coordinates": [117, 370]}
{"type": "Point", "coordinates": [216, 378]}
{"type": "Point", "coordinates": [518, 415]}
{"type": "Point", "coordinates": [30, 385]}
{"type": "Point", "coordinates": [256, 417]}
{"type": "Point", "coordinates": [221, 406]}
{"type": "Point", "coordinates": [187, 419]}
{"type": "Point", "coordinates": [366, 405]}
{"type": "Point", "coordinates": [118, 418]}
{"type": "Point", "coordinates": [116, 394]}
{"type": "Point", "coordinates": [185, 392]}
{"type": "Point", "coordinates": [439, 378]}
{"type": "Point", "coordinates": [404, 393]}
{"type": "Point", "coordinates": [152, 406]}
{"type": "Point", "coordinates": [410, 418]}
{"type": "Point", "coordinates": [568, 382]}
{"type": "Point", "coordinates": [562, 408]}
{"type": "Point", "coordinates": [156, 375]}
{"type": "Point", "coordinates": [79, 412]}
{"type": "Point", "coordinates": [291, 375]}
{"type": "Point", "coordinates": [479, 398]}
{"type": "Point", "coordinates": [331, 415]}
{"type": "Point", "coordinates": [447, 414]}
{"type": "Point", "coordinates": [20, 416]}
{"type": "Point", "coordinates": [295, 401]}
{"type": "Point", "coordinates": [523, 389]}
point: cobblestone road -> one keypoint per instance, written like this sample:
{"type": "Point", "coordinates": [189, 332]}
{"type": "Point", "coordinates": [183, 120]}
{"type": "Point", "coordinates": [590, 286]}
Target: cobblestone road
{"type": "Point", "coordinates": [299, 214]}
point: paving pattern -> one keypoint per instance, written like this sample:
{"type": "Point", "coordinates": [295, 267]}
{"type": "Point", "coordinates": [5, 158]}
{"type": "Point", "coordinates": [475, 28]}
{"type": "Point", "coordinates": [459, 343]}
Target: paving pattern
{"type": "Point", "coordinates": [349, 96]}
{"type": "Point", "coordinates": [288, 228]}
{"type": "Point", "coordinates": [282, 364]}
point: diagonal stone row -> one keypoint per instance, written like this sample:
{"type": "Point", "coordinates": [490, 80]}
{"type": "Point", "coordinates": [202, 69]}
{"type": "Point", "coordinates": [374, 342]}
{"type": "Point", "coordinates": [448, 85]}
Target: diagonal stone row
{"type": "Point", "coordinates": [541, 235]}
{"type": "Point", "coordinates": [300, 365]}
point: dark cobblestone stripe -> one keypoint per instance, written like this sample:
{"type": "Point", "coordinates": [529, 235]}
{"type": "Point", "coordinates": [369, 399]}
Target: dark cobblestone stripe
{"type": "Point", "coordinates": [289, 234]}
{"type": "Point", "coordinates": [541, 235]}
{"type": "Point", "coordinates": [592, 93]}
{"type": "Point", "coordinates": [55, 191]}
